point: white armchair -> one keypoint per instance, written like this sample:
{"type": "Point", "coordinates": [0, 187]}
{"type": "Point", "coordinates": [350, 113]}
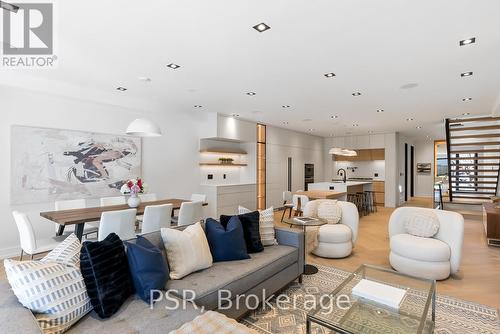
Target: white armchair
{"type": "Point", "coordinates": [335, 240]}
{"type": "Point", "coordinates": [431, 258]}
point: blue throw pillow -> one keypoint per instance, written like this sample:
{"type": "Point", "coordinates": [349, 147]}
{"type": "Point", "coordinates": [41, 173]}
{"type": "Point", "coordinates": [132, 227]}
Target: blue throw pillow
{"type": "Point", "coordinates": [148, 267]}
{"type": "Point", "coordinates": [226, 244]}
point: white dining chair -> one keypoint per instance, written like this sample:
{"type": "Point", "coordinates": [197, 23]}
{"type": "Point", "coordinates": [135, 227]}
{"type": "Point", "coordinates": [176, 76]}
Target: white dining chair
{"type": "Point", "coordinates": [114, 200]}
{"type": "Point", "coordinates": [189, 213]}
{"type": "Point", "coordinates": [29, 243]}
{"type": "Point", "coordinates": [198, 198]}
{"type": "Point", "coordinates": [89, 228]}
{"type": "Point", "coordinates": [148, 197]}
{"type": "Point", "coordinates": [121, 222]}
{"type": "Point", "coordinates": [155, 217]}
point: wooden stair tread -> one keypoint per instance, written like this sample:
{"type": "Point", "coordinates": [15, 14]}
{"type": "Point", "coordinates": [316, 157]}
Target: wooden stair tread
{"type": "Point", "coordinates": [477, 128]}
{"type": "Point", "coordinates": [485, 164]}
{"type": "Point", "coordinates": [496, 157]}
{"type": "Point", "coordinates": [475, 119]}
{"type": "Point", "coordinates": [479, 135]}
{"type": "Point", "coordinates": [475, 192]}
{"type": "Point", "coordinates": [476, 176]}
{"type": "Point", "coordinates": [473, 187]}
{"type": "Point", "coordinates": [493, 150]}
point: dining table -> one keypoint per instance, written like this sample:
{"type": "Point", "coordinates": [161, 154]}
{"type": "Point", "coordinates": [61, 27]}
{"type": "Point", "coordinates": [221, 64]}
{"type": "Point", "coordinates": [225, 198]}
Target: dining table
{"type": "Point", "coordinates": [322, 194]}
{"type": "Point", "coordinates": [79, 217]}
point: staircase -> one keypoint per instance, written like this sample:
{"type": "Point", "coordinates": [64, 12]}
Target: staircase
{"type": "Point", "coordinates": [473, 146]}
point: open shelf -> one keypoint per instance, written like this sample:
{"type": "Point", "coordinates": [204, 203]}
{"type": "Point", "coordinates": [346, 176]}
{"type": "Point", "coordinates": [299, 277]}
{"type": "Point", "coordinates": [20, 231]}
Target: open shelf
{"type": "Point", "coordinates": [224, 151]}
{"type": "Point", "coordinates": [218, 164]}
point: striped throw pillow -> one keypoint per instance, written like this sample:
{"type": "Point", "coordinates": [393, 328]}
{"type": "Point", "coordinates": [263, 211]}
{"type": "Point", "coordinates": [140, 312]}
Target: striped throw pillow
{"type": "Point", "coordinates": [67, 252]}
{"type": "Point", "coordinates": [330, 210]}
{"type": "Point", "coordinates": [266, 225]}
{"type": "Point", "coordinates": [54, 292]}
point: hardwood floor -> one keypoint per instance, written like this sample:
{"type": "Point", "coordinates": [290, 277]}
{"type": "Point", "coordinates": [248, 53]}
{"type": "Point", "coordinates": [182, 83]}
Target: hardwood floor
{"type": "Point", "coordinates": [479, 275]}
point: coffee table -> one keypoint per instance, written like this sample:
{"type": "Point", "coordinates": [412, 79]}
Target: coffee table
{"type": "Point", "coordinates": [309, 269]}
{"type": "Point", "coordinates": [353, 314]}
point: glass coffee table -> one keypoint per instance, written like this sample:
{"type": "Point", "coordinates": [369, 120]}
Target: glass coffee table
{"type": "Point", "coordinates": [347, 313]}
{"type": "Point", "coordinates": [309, 269]}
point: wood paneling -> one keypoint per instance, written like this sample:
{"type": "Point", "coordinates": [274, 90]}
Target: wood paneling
{"type": "Point", "coordinates": [364, 155]}
{"type": "Point", "coordinates": [379, 189]}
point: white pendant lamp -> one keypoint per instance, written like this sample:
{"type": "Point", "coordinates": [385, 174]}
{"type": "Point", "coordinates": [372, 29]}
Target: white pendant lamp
{"type": "Point", "coordinates": [343, 151]}
{"type": "Point", "coordinates": [143, 128]}
{"type": "Point", "coordinates": [335, 150]}
{"type": "Point", "coordinates": [349, 153]}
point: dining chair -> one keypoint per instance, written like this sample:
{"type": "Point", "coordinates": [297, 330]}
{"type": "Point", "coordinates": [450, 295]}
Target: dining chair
{"type": "Point", "coordinates": [299, 202]}
{"type": "Point", "coordinates": [89, 228]}
{"type": "Point", "coordinates": [155, 217]}
{"type": "Point", "coordinates": [114, 200]}
{"type": "Point", "coordinates": [198, 198]}
{"type": "Point", "coordinates": [29, 243]}
{"type": "Point", "coordinates": [189, 213]}
{"type": "Point", "coordinates": [148, 197]}
{"type": "Point", "coordinates": [121, 222]}
{"type": "Point", "coordinates": [287, 204]}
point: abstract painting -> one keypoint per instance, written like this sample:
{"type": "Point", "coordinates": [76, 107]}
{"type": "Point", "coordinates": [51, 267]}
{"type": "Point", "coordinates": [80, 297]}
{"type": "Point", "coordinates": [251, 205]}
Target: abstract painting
{"type": "Point", "coordinates": [52, 164]}
{"type": "Point", "coordinates": [423, 167]}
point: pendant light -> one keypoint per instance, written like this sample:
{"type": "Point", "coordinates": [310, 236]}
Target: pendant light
{"type": "Point", "coordinates": [143, 128]}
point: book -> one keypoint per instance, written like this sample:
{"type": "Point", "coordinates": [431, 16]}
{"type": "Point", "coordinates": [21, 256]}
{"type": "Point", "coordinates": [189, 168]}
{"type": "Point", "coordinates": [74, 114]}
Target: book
{"type": "Point", "coordinates": [305, 220]}
{"type": "Point", "coordinates": [379, 293]}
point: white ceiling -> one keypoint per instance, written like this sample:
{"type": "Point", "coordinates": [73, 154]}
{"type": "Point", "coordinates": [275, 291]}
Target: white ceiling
{"type": "Point", "coordinates": [373, 47]}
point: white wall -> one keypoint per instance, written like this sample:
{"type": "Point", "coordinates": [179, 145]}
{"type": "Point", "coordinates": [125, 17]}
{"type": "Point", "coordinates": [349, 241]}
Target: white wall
{"type": "Point", "coordinates": [170, 162]}
{"type": "Point", "coordinates": [424, 183]}
{"type": "Point", "coordinates": [302, 148]}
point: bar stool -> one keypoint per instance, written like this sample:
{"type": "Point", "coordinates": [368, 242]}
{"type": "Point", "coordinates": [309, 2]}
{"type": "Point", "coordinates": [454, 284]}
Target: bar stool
{"type": "Point", "coordinates": [362, 203]}
{"type": "Point", "coordinates": [371, 201]}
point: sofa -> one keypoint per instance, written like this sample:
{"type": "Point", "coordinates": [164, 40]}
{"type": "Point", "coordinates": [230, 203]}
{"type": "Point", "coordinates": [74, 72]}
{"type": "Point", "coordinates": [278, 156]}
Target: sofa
{"type": "Point", "coordinates": [434, 257]}
{"type": "Point", "coordinates": [272, 270]}
{"type": "Point", "coordinates": [335, 240]}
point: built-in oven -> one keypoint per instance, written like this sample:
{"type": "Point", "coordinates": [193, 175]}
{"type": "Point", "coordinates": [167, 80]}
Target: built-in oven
{"type": "Point", "coordinates": [308, 175]}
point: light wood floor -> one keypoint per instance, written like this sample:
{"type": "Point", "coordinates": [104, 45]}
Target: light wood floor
{"type": "Point", "coordinates": [478, 279]}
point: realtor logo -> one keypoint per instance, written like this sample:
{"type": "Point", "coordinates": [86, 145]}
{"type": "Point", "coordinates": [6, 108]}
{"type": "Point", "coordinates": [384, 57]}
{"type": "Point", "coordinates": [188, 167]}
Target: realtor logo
{"type": "Point", "coordinates": [29, 31]}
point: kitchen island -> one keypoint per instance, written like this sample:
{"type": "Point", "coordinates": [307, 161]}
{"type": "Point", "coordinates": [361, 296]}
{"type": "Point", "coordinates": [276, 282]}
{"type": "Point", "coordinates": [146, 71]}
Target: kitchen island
{"type": "Point", "coordinates": [350, 187]}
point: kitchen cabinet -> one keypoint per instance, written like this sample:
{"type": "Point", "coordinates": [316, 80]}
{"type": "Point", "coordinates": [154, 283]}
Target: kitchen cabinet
{"type": "Point", "coordinates": [379, 192]}
{"type": "Point", "coordinates": [378, 154]}
{"type": "Point", "coordinates": [377, 141]}
{"type": "Point", "coordinates": [364, 155]}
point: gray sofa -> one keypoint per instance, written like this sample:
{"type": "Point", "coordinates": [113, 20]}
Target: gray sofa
{"type": "Point", "coordinates": [271, 270]}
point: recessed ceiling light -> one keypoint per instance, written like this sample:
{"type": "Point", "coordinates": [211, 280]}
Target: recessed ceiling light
{"type": "Point", "coordinates": [370, 132]}
{"type": "Point", "coordinates": [467, 99]}
{"type": "Point", "coordinates": [285, 123]}
{"type": "Point", "coordinates": [285, 106]}
{"type": "Point", "coordinates": [334, 116]}
{"type": "Point", "coordinates": [356, 94]}
{"type": "Point", "coordinates": [329, 75]}
{"type": "Point", "coordinates": [144, 79]}
{"type": "Point", "coordinates": [466, 114]}
{"type": "Point", "coordinates": [409, 119]}
{"type": "Point", "coordinates": [121, 89]}
{"type": "Point", "coordinates": [261, 27]}
{"type": "Point", "coordinates": [466, 74]}
{"type": "Point", "coordinates": [235, 115]}
{"type": "Point", "coordinates": [380, 110]}
{"type": "Point", "coordinates": [197, 106]}
{"type": "Point", "coordinates": [418, 126]}
{"type": "Point", "coordinates": [173, 66]}
{"type": "Point", "coordinates": [355, 124]}
{"type": "Point", "coordinates": [310, 130]}
{"type": "Point", "coordinates": [251, 93]}
{"type": "Point", "coordinates": [467, 41]}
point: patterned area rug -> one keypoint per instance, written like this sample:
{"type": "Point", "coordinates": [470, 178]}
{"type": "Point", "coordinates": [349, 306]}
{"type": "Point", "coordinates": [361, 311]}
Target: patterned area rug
{"type": "Point", "coordinates": [453, 316]}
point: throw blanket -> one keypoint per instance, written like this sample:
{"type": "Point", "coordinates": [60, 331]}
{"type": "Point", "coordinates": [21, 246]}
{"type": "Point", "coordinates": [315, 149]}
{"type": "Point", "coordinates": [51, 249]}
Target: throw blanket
{"type": "Point", "coordinates": [213, 322]}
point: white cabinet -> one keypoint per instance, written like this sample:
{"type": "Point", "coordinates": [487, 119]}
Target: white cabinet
{"type": "Point", "coordinates": [377, 141]}
{"type": "Point", "coordinates": [362, 142]}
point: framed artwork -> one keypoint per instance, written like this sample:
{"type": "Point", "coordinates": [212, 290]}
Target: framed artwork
{"type": "Point", "coordinates": [54, 164]}
{"type": "Point", "coordinates": [424, 168]}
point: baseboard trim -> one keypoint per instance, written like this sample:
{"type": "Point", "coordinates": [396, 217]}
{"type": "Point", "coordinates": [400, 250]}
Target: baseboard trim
{"type": "Point", "coordinates": [6, 253]}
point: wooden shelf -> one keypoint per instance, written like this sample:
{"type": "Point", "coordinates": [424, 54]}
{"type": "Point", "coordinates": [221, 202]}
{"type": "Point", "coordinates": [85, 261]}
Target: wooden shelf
{"type": "Point", "coordinates": [224, 151]}
{"type": "Point", "coordinates": [218, 164]}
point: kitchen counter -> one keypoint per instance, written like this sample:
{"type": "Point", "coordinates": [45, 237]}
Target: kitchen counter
{"type": "Point", "coordinates": [349, 186]}
{"type": "Point", "coordinates": [227, 184]}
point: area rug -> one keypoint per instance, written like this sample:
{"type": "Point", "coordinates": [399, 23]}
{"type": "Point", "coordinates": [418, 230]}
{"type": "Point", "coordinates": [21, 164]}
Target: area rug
{"type": "Point", "coordinates": [453, 316]}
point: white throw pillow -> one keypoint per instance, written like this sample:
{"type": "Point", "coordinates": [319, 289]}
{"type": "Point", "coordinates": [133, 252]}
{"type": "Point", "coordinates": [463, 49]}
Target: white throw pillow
{"type": "Point", "coordinates": [422, 224]}
{"type": "Point", "coordinates": [330, 211]}
{"type": "Point", "coordinates": [67, 252]}
{"type": "Point", "coordinates": [187, 250]}
{"type": "Point", "coordinates": [55, 292]}
{"type": "Point", "coordinates": [266, 225]}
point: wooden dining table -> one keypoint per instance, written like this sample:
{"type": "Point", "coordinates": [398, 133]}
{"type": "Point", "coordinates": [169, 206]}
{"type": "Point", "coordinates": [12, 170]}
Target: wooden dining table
{"type": "Point", "coordinates": [322, 194]}
{"type": "Point", "coordinates": [79, 217]}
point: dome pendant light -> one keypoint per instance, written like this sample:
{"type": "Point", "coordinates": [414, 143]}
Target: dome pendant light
{"type": "Point", "coordinates": [143, 128]}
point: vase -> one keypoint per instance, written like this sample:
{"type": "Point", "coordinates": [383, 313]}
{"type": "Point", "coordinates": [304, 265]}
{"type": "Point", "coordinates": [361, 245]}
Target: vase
{"type": "Point", "coordinates": [134, 201]}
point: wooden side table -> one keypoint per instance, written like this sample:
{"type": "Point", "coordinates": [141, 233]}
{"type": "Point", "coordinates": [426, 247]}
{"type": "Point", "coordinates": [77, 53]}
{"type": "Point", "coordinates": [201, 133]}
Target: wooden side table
{"type": "Point", "coordinates": [491, 222]}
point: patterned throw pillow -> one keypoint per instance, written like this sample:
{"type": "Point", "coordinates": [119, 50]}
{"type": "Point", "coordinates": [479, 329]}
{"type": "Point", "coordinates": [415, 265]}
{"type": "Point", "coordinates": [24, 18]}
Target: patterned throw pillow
{"type": "Point", "coordinates": [422, 224]}
{"type": "Point", "coordinates": [67, 252]}
{"type": "Point", "coordinates": [330, 211]}
{"type": "Point", "coordinates": [52, 288]}
{"type": "Point", "coordinates": [266, 225]}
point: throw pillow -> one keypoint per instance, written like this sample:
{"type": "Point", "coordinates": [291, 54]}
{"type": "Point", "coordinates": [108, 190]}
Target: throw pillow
{"type": "Point", "coordinates": [148, 267]}
{"type": "Point", "coordinates": [106, 274]}
{"type": "Point", "coordinates": [67, 252]}
{"type": "Point", "coordinates": [330, 211]}
{"type": "Point", "coordinates": [251, 233]}
{"type": "Point", "coordinates": [266, 225]}
{"type": "Point", "coordinates": [226, 243]}
{"type": "Point", "coordinates": [187, 250]}
{"type": "Point", "coordinates": [54, 292]}
{"type": "Point", "coordinates": [422, 224]}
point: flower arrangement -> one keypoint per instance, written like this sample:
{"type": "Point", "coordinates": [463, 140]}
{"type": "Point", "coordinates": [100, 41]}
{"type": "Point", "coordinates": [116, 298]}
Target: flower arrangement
{"type": "Point", "coordinates": [133, 187]}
